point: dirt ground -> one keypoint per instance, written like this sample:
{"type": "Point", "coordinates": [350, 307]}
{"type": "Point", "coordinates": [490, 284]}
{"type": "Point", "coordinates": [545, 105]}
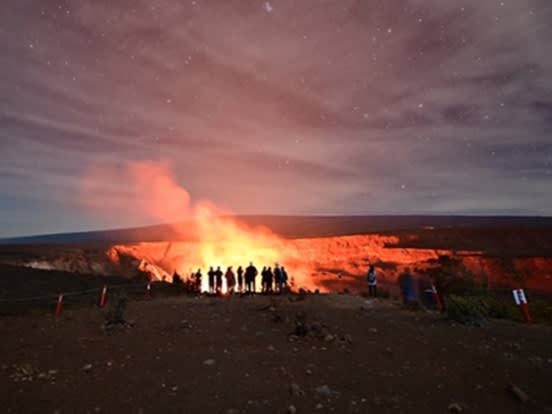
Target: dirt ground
{"type": "Point", "coordinates": [235, 355]}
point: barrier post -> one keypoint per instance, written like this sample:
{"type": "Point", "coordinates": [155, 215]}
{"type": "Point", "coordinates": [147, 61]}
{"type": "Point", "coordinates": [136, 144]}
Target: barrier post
{"type": "Point", "coordinates": [59, 304]}
{"type": "Point", "coordinates": [148, 290]}
{"type": "Point", "coordinates": [103, 296]}
{"type": "Point", "coordinates": [436, 297]}
{"type": "Point", "coordinates": [521, 301]}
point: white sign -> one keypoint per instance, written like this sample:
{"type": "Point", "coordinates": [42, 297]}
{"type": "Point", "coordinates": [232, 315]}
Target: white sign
{"type": "Point", "coordinates": [519, 296]}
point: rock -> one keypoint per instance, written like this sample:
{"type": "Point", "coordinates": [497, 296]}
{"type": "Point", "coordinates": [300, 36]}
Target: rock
{"type": "Point", "coordinates": [308, 372]}
{"type": "Point", "coordinates": [87, 368]}
{"type": "Point", "coordinates": [329, 338]}
{"type": "Point", "coordinates": [373, 330]}
{"type": "Point", "coordinates": [291, 409]}
{"type": "Point", "coordinates": [455, 408]}
{"type": "Point", "coordinates": [209, 362]}
{"type": "Point", "coordinates": [295, 390]}
{"type": "Point", "coordinates": [270, 348]}
{"type": "Point", "coordinates": [323, 391]}
{"type": "Point", "coordinates": [53, 372]}
{"type": "Point", "coordinates": [319, 406]}
{"type": "Point", "coordinates": [174, 389]}
{"type": "Point", "coordinates": [518, 393]}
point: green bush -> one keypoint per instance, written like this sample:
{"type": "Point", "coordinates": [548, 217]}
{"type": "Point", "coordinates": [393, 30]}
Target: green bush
{"type": "Point", "coordinates": [499, 310]}
{"type": "Point", "coordinates": [467, 310]}
{"type": "Point", "coordinates": [475, 308]}
{"type": "Point", "coordinates": [541, 311]}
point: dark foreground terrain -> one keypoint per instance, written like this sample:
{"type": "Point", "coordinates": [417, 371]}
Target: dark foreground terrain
{"type": "Point", "coordinates": [236, 355]}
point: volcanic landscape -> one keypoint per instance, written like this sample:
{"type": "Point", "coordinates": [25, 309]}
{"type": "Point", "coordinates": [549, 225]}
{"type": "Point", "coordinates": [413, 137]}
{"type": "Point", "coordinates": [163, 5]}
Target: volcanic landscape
{"type": "Point", "coordinates": [333, 352]}
{"type": "Point", "coordinates": [325, 253]}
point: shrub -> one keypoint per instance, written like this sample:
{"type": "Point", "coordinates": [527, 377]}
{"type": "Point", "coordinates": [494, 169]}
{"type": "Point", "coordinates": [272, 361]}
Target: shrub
{"type": "Point", "coordinates": [499, 310]}
{"type": "Point", "coordinates": [541, 311]}
{"type": "Point", "coordinates": [467, 310]}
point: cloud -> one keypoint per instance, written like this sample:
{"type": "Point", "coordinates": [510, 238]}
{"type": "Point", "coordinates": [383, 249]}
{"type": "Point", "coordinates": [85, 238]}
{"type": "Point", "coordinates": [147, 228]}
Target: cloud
{"type": "Point", "coordinates": [317, 103]}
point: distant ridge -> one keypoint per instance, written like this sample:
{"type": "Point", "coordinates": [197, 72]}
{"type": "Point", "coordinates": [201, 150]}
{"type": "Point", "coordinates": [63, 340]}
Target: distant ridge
{"type": "Point", "coordinates": [291, 227]}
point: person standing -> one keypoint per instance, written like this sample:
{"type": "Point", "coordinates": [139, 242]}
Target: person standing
{"type": "Point", "coordinates": [198, 281]}
{"type": "Point", "coordinates": [278, 279]}
{"type": "Point", "coordinates": [211, 275]}
{"type": "Point", "coordinates": [284, 278]}
{"type": "Point", "coordinates": [263, 280]}
{"type": "Point", "coordinates": [269, 280]}
{"type": "Point", "coordinates": [230, 280]}
{"type": "Point", "coordinates": [372, 281]}
{"type": "Point", "coordinates": [218, 276]}
{"type": "Point", "coordinates": [408, 290]}
{"type": "Point", "coordinates": [240, 278]}
{"type": "Point", "coordinates": [250, 275]}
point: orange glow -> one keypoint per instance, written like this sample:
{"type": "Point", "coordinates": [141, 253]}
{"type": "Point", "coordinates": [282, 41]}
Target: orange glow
{"type": "Point", "coordinates": [220, 238]}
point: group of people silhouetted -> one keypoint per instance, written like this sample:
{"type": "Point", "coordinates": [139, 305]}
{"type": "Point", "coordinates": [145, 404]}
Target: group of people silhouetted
{"type": "Point", "coordinates": [243, 280]}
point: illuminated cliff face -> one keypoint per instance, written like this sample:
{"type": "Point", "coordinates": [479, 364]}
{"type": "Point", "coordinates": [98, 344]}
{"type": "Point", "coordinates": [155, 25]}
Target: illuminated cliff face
{"type": "Point", "coordinates": [334, 263]}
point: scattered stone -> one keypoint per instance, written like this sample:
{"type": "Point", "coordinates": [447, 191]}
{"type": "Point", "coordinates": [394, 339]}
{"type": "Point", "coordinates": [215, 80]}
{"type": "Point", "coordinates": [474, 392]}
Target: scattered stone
{"type": "Point", "coordinates": [319, 406]}
{"type": "Point", "coordinates": [209, 362]}
{"type": "Point", "coordinates": [536, 361]}
{"type": "Point", "coordinates": [270, 348]}
{"type": "Point", "coordinates": [295, 390]}
{"type": "Point", "coordinates": [373, 330]}
{"type": "Point", "coordinates": [174, 389]}
{"type": "Point", "coordinates": [329, 338]}
{"type": "Point", "coordinates": [291, 409]}
{"type": "Point", "coordinates": [323, 391]}
{"type": "Point", "coordinates": [87, 368]}
{"type": "Point", "coordinates": [455, 408]}
{"type": "Point", "coordinates": [518, 393]}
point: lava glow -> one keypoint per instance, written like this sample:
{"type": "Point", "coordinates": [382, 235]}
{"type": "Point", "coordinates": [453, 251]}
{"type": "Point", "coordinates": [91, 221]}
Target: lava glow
{"type": "Point", "coordinates": [219, 238]}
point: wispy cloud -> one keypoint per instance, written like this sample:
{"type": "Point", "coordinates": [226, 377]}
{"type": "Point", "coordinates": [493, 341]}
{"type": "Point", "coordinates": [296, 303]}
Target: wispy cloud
{"type": "Point", "coordinates": [326, 106]}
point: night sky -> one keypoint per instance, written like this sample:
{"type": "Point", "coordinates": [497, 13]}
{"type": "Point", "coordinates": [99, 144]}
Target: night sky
{"type": "Point", "coordinates": [286, 107]}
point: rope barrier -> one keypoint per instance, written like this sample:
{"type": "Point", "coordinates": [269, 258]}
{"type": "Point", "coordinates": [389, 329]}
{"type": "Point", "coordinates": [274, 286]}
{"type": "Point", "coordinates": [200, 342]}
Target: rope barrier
{"type": "Point", "coordinates": [54, 296]}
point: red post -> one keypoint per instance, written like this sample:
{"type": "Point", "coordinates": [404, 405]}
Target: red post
{"type": "Point", "coordinates": [525, 312]}
{"type": "Point", "coordinates": [148, 290]}
{"type": "Point", "coordinates": [59, 304]}
{"type": "Point", "coordinates": [103, 296]}
{"type": "Point", "coordinates": [521, 301]}
{"type": "Point", "coordinates": [437, 298]}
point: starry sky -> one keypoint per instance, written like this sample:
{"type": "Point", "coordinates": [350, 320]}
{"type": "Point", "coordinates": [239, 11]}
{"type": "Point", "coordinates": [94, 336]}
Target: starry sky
{"type": "Point", "coordinates": [285, 107]}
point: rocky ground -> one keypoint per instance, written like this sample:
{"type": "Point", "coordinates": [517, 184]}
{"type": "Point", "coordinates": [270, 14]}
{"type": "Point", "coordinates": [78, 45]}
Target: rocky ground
{"type": "Point", "coordinates": [289, 354]}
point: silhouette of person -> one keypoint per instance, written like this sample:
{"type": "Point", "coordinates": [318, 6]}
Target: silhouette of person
{"type": "Point", "coordinates": [278, 279]}
{"type": "Point", "coordinates": [240, 278]}
{"type": "Point", "coordinates": [284, 278]}
{"type": "Point", "coordinates": [211, 275]}
{"type": "Point", "coordinates": [264, 280]}
{"type": "Point", "coordinates": [250, 275]}
{"type": "Point", "coordinates": [372, 281]}
{"type": "Point", "coordinates": [198, 280]}
{"type": "Point", "coordinates": [218, 276]}
{"type": "Point", "coordinates": [230, 280]}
